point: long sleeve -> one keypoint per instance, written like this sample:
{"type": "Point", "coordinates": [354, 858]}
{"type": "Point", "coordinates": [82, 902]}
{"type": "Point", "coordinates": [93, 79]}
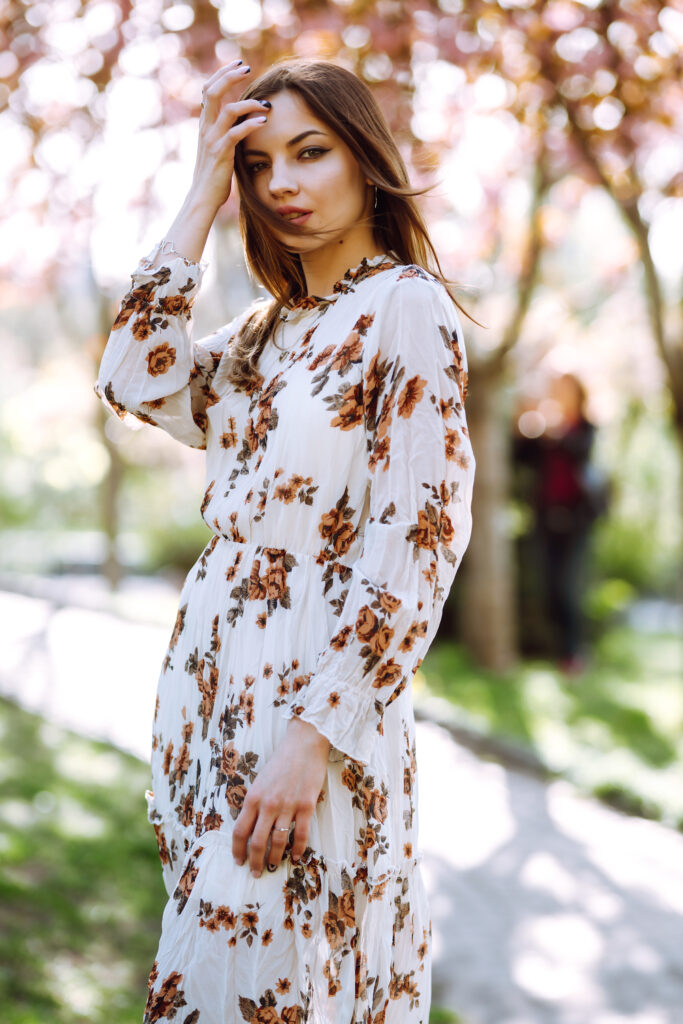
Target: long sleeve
{"type": "Point", "coordinates": [421, 472]}
{"type": "Point", "coordinates": [150, 368]}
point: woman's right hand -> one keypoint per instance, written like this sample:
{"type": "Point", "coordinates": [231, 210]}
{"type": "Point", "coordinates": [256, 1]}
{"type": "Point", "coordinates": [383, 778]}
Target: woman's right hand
{"type": "Point", "coordinates": [219, 133]}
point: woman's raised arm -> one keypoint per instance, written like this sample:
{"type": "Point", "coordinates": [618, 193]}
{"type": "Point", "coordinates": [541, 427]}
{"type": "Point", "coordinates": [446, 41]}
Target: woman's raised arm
{"type": "Point", "coordinates": [150, 368]}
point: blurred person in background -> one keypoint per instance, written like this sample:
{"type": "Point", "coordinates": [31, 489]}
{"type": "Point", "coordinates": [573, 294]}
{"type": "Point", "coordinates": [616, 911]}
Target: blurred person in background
{"type": "Point", "coordinates": [555, 440]}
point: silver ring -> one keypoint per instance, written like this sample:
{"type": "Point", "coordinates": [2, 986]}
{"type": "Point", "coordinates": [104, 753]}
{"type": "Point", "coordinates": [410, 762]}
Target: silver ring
{"type": "Point", "coordinates": [282, 829]}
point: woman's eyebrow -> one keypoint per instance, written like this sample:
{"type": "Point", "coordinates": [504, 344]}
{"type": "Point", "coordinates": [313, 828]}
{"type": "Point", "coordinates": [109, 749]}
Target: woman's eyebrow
{"type": "Point", "coordinates": [292, 142]}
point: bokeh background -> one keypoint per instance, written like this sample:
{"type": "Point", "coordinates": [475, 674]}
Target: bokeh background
{"type": "Point", "coordinates": [550, 136]}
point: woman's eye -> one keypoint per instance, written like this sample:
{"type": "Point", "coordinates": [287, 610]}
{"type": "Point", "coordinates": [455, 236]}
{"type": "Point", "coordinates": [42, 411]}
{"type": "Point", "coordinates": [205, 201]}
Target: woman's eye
{"type": "Point", "coordinates": [255, 168]}
{"type": "Point", "coordinates": [315, 151]}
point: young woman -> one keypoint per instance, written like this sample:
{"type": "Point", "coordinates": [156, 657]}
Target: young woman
{"type": "Point", "coordinates": [339, 485]}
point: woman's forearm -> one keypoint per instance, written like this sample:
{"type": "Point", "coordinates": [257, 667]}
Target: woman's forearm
{"type": "Point", "coordinates": [188, 232]}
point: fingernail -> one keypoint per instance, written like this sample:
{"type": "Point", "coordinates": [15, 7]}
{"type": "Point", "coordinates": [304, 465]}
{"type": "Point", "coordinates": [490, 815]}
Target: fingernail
{"type": "Point", "coordinates": [266, 103]}
{"type": "Point", "coordinates": [235, 63]}
{"type": "Point", "coordinates": [246, 68]}
{"type": "Point", "coordinates": [271, 867]}
{"type": "Point", "coordinates": [256, 873]}
{"type": "Point", "coordinates": [238, 861]}
{"type": "Point", "coordinates": [261, 119]}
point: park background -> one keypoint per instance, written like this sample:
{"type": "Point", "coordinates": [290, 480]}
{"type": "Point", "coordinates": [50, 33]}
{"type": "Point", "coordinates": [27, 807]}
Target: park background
{"type": "Point", "coordinates": [551, 138]}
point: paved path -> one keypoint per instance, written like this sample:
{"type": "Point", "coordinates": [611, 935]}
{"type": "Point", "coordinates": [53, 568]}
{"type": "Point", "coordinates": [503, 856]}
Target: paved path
{"type": "Point", "coordinates": [547, 907]}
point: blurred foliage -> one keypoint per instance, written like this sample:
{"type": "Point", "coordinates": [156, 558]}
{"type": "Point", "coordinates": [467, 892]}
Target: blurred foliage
{"type": "Point", "coordinates": [616, 729]}
{"type": "Point", "coordinates": [81, 893]}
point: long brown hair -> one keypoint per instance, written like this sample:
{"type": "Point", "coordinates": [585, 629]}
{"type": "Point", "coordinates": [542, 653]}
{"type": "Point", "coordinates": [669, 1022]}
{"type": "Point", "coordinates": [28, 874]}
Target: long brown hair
{"type": "Point", "coordinates": [347, 106]}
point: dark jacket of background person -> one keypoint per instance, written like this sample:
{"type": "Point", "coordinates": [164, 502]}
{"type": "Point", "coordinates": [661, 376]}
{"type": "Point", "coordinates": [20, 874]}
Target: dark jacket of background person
{"type": "Point", "coordinates": [562, 498]}
{"type": "Point", "coordinates": [567, 494]}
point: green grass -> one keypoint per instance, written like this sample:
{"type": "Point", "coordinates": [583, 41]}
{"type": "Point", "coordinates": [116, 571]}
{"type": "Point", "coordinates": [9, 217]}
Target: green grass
{"type": "Point", "coordinates": [81, 893]}
{"type": "Point", "coordinates": [438, 1015]}
{"type": "Point", "coordinates": [616, 730]}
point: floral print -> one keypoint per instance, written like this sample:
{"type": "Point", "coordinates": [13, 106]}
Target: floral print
{"type": "Point", "coordinates": [338, 492]}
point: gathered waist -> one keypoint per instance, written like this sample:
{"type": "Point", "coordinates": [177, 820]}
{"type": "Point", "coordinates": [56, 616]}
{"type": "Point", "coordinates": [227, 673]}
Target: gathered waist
{"type": "Point", "coordinates": [227, 546]}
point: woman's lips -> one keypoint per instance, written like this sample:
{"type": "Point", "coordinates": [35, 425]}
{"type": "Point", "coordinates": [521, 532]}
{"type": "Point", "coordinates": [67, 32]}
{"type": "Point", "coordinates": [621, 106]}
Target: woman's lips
{"type": "Point", "coordinates": [299, 218]}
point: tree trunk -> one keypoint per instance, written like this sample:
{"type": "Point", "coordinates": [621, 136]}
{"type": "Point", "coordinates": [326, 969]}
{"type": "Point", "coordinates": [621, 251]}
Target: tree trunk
{"type": "Point", "coordinates": [489, 619]}
{"type": "Point", "coordinates": [489, 608]}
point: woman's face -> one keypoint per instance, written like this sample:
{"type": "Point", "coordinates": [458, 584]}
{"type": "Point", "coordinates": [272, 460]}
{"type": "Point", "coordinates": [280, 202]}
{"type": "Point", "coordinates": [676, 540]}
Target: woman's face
{"type": "Point", "coordinates": [304, 172]}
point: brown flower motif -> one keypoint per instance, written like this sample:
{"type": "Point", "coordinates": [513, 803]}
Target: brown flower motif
{"type": "Point", "coordinates": [366, 623]}
{"type": "Point", "coordinates": [161, 843]}
{"type": "Point", "coordinates": [229, 759]}
{"type": "Point", "coordinates": [266, 1015]}
{"type": "Point", "coordinates": [380, 640]}
{"type": "Point", "coordinates": [375, 804]}
{"type": "Point", "coordinates": [350, 412]}
{"type": "Point", "coordinates": [213, 821]}
{"type": "Point", "coordinates": [347, 908]}
{"type": "Point", "coordinates": [446, 531]}
{"type": "Point", "coordinates": [160, 359]}
{"type": "Point", "coordinates": [321, 357]}
{"type": "Point", "coordinates": [178, 627]}
{"type": "Point", "coordinates": [275, 579]}
{"type": "Point", "coordinates": [410, 396]}
{"type": "Point", "coordinates": [182, 761]}
{"type": "Point", "coordinates": [173, 304]}
{"type": "Point", "coordinates": [334, 929]}
{"type": "Point", "coordinates": [141, 329]}
{"type": "Point", "coordinates": [453, 443]}
{"type": "Point", "coordinates": [340, 638]}
{"type": "Point", "coordinates": [426, 531]}
{"type": "Point", "coordinates": [164, 1002]}
{"type": "Point", "coordinates": [235, 792]}
{"type": "Point", "coordinates": [349, 350]}
{"type": "Point", "coordinates": [388, 602]}
{"type": "Point", "coordinates": [387, 674]}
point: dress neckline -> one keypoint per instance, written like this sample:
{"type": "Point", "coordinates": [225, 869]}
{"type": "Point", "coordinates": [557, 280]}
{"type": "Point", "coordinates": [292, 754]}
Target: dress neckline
{"type": "Point", "coordinates": [368, 267]}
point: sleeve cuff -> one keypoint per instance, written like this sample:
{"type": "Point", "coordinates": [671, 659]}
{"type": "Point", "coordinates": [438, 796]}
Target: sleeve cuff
{"type": "Point", "coordinates": [165, 248]}
{"type": "Point", "coordinates": [337, 716]}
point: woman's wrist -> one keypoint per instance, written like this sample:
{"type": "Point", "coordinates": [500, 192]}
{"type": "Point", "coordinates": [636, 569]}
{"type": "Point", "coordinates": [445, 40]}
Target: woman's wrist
{"type": "Point", "coordinates": [187, 235]}
{"type": "Point", "coordinates": [307, 733]}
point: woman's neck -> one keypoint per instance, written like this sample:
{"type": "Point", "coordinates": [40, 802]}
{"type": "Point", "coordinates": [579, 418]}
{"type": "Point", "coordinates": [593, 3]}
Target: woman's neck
{"type": "Point", "coordinates": [328, 264]}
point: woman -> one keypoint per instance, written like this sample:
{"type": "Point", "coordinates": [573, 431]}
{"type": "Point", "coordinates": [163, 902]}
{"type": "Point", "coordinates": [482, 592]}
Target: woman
{"type": "Point", "coordinates": [339, 481]}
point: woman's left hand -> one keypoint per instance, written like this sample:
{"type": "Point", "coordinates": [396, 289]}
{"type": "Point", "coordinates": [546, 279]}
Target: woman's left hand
{"type": "Point", "coordinates": [286, 790]}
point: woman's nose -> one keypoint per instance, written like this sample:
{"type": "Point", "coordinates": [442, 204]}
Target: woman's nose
{"type": "Point", "coordinates": [281, 179]}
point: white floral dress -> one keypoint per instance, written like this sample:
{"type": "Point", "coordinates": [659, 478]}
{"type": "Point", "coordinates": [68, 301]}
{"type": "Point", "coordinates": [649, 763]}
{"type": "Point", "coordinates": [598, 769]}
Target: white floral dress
{"type": "Point", "coordinates": [339, 496]}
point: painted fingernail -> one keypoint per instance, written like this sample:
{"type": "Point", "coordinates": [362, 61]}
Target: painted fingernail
{"type": "Point", "coordinates": [271, 867]}
{"type": "Point", "coordinates": [260, 120]}
{"type": "Point", "coordinates": [246, 68]}
{"type": "Point", "coordinates": [266, 103]}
